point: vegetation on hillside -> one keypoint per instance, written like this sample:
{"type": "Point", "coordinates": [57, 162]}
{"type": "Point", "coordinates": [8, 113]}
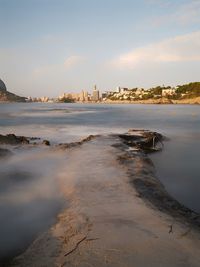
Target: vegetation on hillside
{"type": "Point", "coordinates": [185, 91]}
{"type": "Point", "coordinates": [67, 100]}
{"type": "Point", "coordinates": [189, 90]}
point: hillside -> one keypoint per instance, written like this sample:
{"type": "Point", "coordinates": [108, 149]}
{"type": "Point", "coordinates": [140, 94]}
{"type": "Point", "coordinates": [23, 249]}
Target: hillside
{"type": "Point", "coordinates": [6, 96]}
{"type": "Point", "coordinates": [183, 94]}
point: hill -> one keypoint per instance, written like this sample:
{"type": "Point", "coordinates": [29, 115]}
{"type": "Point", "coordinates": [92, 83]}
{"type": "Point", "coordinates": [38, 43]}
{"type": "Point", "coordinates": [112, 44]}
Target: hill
{"type": "Point", "coordinates": [6, 96]}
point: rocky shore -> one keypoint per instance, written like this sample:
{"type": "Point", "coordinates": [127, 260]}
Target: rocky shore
{"type": "Point", "coordinates": [119, 214]}
{"type": "Point", "coordinates": [191, 101]}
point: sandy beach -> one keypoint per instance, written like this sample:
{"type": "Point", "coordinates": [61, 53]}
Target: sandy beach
{"type": "Point", "coordinates": [108, 222]}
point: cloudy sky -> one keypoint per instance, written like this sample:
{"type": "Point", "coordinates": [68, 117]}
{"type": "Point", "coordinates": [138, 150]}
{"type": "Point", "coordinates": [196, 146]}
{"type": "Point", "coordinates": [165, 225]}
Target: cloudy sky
{"type": "Point", "coordinates": [53, 46]}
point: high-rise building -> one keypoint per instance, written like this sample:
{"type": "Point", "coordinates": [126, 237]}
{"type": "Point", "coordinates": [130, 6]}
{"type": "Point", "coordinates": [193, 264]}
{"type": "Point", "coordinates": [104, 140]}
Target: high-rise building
{"type": "Point", "coordinates": [95, 96]}
{"type": "Point", "coordinates": [86, 96]}
{"type": "Point", "coordinates": [81, 96]}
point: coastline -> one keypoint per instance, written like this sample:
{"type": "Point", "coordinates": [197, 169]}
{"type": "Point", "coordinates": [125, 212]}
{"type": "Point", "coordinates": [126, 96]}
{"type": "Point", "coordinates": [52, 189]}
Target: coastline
{"type": "Point", "coordinates": [160, 101]}
{"type": "Point", "coordinates": [114, 222]}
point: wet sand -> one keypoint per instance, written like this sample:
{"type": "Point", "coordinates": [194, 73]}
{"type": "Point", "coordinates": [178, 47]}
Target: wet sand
{"type": "Point", "coordinates": [108, 223]}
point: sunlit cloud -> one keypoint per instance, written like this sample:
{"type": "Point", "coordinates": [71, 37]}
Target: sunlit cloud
{"type": "Point", "coordinates": [177, 49]}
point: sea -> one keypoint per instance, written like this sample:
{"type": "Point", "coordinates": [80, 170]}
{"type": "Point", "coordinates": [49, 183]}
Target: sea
{"type": "Point", "coordinates": [30, 197]}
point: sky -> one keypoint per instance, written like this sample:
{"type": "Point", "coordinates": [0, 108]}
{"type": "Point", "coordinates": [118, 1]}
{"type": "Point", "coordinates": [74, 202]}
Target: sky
{"type": "Point", "coordinates": [49, 47]}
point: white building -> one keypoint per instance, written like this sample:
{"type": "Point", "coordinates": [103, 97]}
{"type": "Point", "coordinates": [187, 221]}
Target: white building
{"type": "Point", "coordinates": [139, 91]}
{"type": "Point", "coordinates": [170, 91]}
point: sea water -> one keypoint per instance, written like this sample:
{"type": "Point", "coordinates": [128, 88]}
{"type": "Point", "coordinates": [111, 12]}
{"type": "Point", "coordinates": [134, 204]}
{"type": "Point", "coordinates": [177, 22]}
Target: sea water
{"type": "Point", "coordinates": [29, 198]}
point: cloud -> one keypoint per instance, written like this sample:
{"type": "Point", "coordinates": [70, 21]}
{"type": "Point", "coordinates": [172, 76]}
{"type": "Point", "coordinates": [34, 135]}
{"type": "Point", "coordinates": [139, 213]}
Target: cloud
{"type": "Point", "coordinates": [188, 13]}
{"type": "Point", "coordinates": [73, 61]}
{"type": "Point", "coordinates": [178, 49]}
{"type": "Point", "coordinates": [68, 64]}
{"type": "Point", "coordinates": [185, 14]}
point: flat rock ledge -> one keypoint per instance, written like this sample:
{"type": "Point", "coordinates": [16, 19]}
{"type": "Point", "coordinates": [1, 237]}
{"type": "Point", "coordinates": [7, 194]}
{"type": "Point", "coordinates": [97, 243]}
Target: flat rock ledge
{"type": "Point", "coordinates": [109, 222]}
{"type": "Point", "coordinates": [144, 180]}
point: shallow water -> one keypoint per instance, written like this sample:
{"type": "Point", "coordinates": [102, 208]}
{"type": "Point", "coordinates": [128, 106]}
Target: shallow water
{"type": "Point", "coordinates": [30, 194]}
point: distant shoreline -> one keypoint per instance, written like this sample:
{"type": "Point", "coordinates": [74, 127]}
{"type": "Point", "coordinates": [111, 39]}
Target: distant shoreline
{"type": "Point", "coordinates": [160, 101]}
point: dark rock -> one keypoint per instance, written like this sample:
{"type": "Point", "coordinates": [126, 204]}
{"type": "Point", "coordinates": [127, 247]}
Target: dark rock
{"type": "Point", "coordinates": [144, 140]}
{"type": "Point", "coordinates": [46, 143]}
{"type": "Point", "coordinates": [144, 180]}
{"type": "Point", "coordinates": [2, 86]}
{"type": "Point", "coordinates": [6, 96]}
{"type": "Point", "coordinates": [11, 139]}
{"type": "Point", "coordinates": [75, 144]}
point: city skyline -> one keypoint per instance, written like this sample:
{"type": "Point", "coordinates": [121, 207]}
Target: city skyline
{"type": "Point", "coordinates": [50, 47]}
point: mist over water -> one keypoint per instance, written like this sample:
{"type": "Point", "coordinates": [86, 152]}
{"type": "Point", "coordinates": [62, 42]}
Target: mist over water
{"type": "Point", "coordinates": [30, 191]}
{"type": "Point", "coordinates": [30, 197]}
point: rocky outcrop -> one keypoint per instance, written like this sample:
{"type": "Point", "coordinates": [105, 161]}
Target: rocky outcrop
{"type": "Point", "coordinates": [6, 96]}
{"type": "Point", "coordinates": [2, 86]}
{"type": "Point", "coordinates": [11, 139]}
{"type": "Point", "coordinates": [75, 144]}
{"type": "Point", "coordinates": [136, 147]}
{"type": "Point", "coordinates": [195, 100]}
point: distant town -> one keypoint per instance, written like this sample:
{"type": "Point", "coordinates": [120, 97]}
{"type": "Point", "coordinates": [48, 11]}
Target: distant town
{"type": "Point", "coordinates": [188, 93]}
{"type": "Point", "coordinates": [167, 93]}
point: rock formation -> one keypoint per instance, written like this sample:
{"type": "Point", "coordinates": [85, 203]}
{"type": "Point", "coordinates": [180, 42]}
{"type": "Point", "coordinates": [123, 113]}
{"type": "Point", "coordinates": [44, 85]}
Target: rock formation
{"type": "Point", "coordinates": [6, 96]}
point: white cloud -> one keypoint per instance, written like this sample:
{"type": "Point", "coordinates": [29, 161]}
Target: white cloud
{"type": "Point", "coordinates": [180, 48]}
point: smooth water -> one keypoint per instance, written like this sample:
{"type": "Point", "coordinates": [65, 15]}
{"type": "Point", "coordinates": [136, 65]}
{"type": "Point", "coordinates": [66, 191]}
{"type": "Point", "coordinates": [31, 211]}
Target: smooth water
{"type": "Point", "coordinates": [29, 198]}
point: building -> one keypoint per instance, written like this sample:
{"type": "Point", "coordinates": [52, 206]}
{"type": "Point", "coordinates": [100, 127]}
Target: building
{"type": "Point", "coordinates": [82, 97]}
{"type": "Point", "coordinates": [118, 89]}
{"type": "Point", "coordinates": [95, 95]}
{"type": "Point", "coordinates": [139, 91]}
{"type": "Point", "coordinates": [86, 96]}
{"type": "Point", "coordinates": [123, 89]}
{"type": "Point", "coordinates": [169, 91]}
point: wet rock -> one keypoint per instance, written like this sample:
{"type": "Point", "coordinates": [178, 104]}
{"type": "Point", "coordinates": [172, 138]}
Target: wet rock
{"type": "Point", "coordinates": [12, 139]}
{"type": "Point", "coordinates": [46, 143]}
{"type": "Point", "coordinates": [75, 144]}
{"type": "Point", "coordinates": [144, 140]}
{"type": "Point", "coordinates": [89, 138]}
{"type": "Point", "coordinates": [144, 180]}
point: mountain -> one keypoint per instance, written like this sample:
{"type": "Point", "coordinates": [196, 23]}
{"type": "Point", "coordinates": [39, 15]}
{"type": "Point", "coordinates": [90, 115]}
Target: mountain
{"type": "Point", "coordinates": [6, 96]}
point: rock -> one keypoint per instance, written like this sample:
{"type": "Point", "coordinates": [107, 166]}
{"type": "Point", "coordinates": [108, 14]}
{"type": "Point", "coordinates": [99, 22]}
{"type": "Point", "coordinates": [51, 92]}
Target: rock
{"type": "Point", "coordinates": [75, 144]}
{"type": "Point", "coordinates": [2, 86]}
{"type": "Point", "coordinates": [46, 143]}
{"type": "Point", "coordinates": [6, 96]}
{"type": "Point", "coordinates": [11, 139]}
{"type": "Point", "coordinates": [144, 140]}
